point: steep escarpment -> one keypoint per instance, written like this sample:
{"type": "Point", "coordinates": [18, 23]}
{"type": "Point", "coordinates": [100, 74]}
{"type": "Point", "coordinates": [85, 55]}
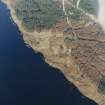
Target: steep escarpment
{"type": "Point", "coordinates": [66, 32]}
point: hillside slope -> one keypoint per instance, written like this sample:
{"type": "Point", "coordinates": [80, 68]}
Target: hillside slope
{"type": "Point", "coordinates": [66, 32]}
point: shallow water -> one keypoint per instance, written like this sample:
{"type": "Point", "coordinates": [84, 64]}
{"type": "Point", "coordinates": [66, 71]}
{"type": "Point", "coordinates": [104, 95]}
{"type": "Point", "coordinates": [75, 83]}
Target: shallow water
{"type": "Point", "coordinates": [25, 79]}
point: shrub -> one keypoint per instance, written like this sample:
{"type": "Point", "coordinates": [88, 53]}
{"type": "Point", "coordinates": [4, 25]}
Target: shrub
{"type": "Point", "coordinates": [101, 86]}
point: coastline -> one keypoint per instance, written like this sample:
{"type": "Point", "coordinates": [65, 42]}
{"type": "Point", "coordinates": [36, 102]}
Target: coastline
{"type": "Point", "coordinates": [72, 75]}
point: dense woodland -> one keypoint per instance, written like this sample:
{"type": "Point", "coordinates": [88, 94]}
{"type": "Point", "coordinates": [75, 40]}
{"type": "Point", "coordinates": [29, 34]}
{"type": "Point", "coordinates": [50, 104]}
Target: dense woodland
{"type": "Point", "coordinates": [89, 6]}
{"type": "Point", "coordinates": [38, 13]}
